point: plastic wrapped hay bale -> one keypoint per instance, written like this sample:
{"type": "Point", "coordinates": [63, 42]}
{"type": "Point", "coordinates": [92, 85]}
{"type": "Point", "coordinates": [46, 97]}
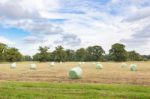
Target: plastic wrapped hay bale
{"type": "Point", "coordinates": [99, 66]}
{"type": "Point", "coordinates": [33, 66]}
{"type": "Point", "coordinates": [60, 62]}
{"type": "Point", "coordinates": [13, 65]}
{"type": "Point", "coordinates": [133, 67]}
{"type": "Point", "coordinates": [123, 65]}
{"type": "Point", "coordinates": [94, 63]}
{"type": "Point", "coordinates": [80, 63]}
{"type": "Point", "coordinates": [52, 63]}
{"type": "Point", "coordinates": [75, 73]}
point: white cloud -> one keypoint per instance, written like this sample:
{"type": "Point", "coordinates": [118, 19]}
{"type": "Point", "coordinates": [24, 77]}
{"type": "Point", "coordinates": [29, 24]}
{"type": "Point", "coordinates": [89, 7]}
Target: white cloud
{"type": "Point", "coordinates": [87, 22]}
{"type": "Point", "coordinates": [6, 41]}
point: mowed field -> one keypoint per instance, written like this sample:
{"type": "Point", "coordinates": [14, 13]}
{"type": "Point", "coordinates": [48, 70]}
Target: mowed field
{"type": "Point", "coordinates": [46, 82]}
{"type": "Point", "coordinates": [111, 73]}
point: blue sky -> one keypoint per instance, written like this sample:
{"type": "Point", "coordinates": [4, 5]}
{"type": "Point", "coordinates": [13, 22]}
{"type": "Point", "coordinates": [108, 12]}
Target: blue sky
{"type": "Point", "coordinates": [28, 24]}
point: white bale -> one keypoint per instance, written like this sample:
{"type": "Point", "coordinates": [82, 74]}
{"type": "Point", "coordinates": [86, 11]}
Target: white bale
{"type": "Point", "coordinates": [80, 63]}
{"type": "Point", "coordinates": [133, 67]}
{"type": "Point", "coordinates": [33, 66]}
{"type": "Point", "coordinates": [75, 73]}
{"type": "Point", "coordinates": [94, 63]}
{"type": "Point", "coordinates": [98, 62]}
{"type": "Point", "coordinates": [124, 65]}
{"type": "Point", "coordinates": [60, 62]}
{"type": "Point", "coordinates": [13, 65]}
{"type": "Point", "coordinates": [52, 63]}
{"type": "Point", "coordinates": [99, 66]}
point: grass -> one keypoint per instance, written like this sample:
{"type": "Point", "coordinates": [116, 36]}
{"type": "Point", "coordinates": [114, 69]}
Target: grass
{"type": "Point", "coordinates": [45, 90]}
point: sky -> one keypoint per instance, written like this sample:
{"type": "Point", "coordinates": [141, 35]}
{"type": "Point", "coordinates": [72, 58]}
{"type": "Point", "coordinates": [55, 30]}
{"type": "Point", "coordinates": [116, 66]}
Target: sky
{"type": "Point", "coordinates": [28, 24]}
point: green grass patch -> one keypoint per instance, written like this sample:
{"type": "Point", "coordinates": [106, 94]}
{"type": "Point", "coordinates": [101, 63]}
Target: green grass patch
{"type": "Point", "coordinates": [40, 90]}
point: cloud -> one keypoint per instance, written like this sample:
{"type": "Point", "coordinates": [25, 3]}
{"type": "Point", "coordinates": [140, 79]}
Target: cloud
{"type": "Point", "coordinates": [11, 10]}
{"type": "Point", "coordinates": [76, 23]}
{"type": "Point", "coordinates": [6, 41]}
{"type": "Point", "coordinates": [33, 40]}
{"type": "Point", "coordinates": [44, 29]}
{"type": "Point", "coordinates": [140, 14]}
{"type": "Point", "coordinates": [69, 40]}
{"type": "Point", "coordinates": [139, 38]}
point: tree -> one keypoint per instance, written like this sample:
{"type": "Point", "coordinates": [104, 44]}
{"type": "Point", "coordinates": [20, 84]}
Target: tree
{"type": "Point", "coordinates": [81, 54]}
{"type": "Point", "coordinates": [95, 53]}
{"type": "Point", "coordinates": [70, 55]}
{"type": "Point", "coordinates": [118, 52]}
{"type": "Point", "coordinates": [59, 54]}
{"type": "Point", "coordinates": [12, 55]}
{"type": "Point", "coordinates": [3, 48]}
{"type": "Point", "coordinates": [134, 56]}
{"type": "Point", "coordinates": [36, 57]}
{"type": "Point", "coordinates": [43, 55]}
{"type": "Point", "coordinates": [27, 58]}
{"type": "Point", "coordinates": [146, 57]}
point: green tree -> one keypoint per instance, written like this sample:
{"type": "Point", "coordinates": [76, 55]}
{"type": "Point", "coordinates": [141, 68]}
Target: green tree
{"type": "Point", "coordinates": [43, 54]}
{"type": "Point", "coordinates": [95, 53]}
{"type": "Point", "coordinates": [3, 48]}
{"type": "Point", "coordinates": [36, 57]}
{"type": "Point", "coordinates": [70, 55]}
{"type": "Point", "coordinates": [59, 54]}
{"type": "Point", "coordinates": [81, 54]}
{"type": "Point", "coordinates": [134, 56]}
{"type": "Point", "coordinates": [12, 55]}
{"type": "Point", "coordinates": [118, 52]}
{"type": "Point", "coordinates": [27, 58]}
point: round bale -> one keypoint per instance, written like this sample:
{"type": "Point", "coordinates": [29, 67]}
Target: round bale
{"type": "Point", "coordinates": [123, 65]}
{"type": "Point", "coordinates": [75, 73]}
{"type": "Point", "coordinates": [52, 63]}
{"type": "Point", "coordinates": [13, 65]}
{"type": "Point", "coordinates": [33, 66]}
{"type": "Point", "coordinates": [99, 66]}
{"type": "Point", "coordinates": [133, 67]}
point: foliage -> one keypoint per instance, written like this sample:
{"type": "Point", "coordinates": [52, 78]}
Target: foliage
{"type": "Point", "coordinates": [134, 56]}
{"type": "Point", "coordinates": [118, 52]}
{"type": "Point", "coordinates": [91, 53]}
{"type": "Point", "coordinates": [12, 55]}
{"type": "Point", "coordinates": [3, 49]}
{"type": "Point", "coordinates": [59, 54]}
{"type": "Point", "coordinates": [43, 55]}
{"type": "Point", "coordinates": [94, 53]}
{"type": "Point", "coordinates": [80, 54]}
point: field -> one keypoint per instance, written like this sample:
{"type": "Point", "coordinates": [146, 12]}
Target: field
{"type": "Point", "coordinates": [47, 82]}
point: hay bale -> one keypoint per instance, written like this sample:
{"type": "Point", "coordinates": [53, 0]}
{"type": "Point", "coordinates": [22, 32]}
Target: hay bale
{"type": "Point", "coordinates": [52, 63]}
{"type": "Point", "coordinates": [123, 65]}
{"type": "Point", "coordinates": [75, 73]}
{"type": "Point", "coordinates": [133, 67]}
{"type": "Point", "coordinates": [99, 66]}
{"type": "Point", "coordinates": [33, 66]}
{"type": "Point", "coordinates": [94, 63]}
{"type": "Point", "coordinates": [13, 65]}
{"type": "Point", "coordinates": [80, 63]}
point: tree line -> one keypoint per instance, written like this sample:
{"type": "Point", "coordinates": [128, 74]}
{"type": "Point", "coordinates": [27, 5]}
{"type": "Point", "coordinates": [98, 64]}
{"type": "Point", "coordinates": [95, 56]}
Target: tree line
{"type": "Point", "coordinates": [117, 53]}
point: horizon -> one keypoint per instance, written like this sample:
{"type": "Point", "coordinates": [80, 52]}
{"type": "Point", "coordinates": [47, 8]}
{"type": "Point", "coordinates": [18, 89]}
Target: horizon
{"type": "Point", "coordinates": [27, 24]}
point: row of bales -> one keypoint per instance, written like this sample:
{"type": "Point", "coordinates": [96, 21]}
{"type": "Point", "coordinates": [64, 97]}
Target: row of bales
{"type": "Point", "coordinates": [77, 71]}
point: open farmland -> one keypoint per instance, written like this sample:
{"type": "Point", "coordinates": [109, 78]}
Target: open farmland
{"type": "Point", "coordinates": [111, 73]}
